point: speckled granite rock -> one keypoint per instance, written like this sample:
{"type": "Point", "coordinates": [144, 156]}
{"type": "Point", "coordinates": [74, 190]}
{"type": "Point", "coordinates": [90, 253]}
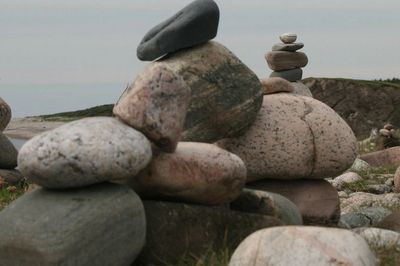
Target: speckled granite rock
{"type": "Point", "coordinates": [350, 177]}
{"type": "Point", "coordinates": [281, 60]}
{"type": "Point", "coordinates": [8, 153]}
{"type": "Point", "coordinates": [156, 104]}
{"type": "Point", "coordinates": [5, 114]}
{"type": "Point", "coordinates": [289, 47]}
{"type": "Point", "coordinates": [303, 245]}
{"type": "Point", "coordinates": [294, 137]}
{"type": "Point", "coordinates": [274, 85]}
{"type": "Point", "coordinates": [385, 157]}
{"type": "Point", "coordinates": [84, 152]}
{"type": "Point", "coordinates": [226, 94]}
{"type": "Point", "coordinates": [102, 224]}
{"type": "Point", "coordinates": [301, 89]}
{"type": "Point", "coordinates": [359, 200]}
{"type": "Point", "coordinates": [290, 75]}
{"type": "Point", "coordinates": [194, 24]}
{"type": "Point", "coordinates": [195, 172]}
{"type": "Point", "coordinates": [379, 238]}
{"type": "Point", "coordinates": [268, 203]}
{"type": "Point", "coordinates": [317, 200]}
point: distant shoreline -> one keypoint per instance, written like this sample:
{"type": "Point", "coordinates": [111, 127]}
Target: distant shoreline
{"type": "Point", "coordinates": [26, 128]}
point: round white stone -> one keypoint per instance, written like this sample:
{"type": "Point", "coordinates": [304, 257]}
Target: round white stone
{"type": "Point", "coordinates": [288, 37]}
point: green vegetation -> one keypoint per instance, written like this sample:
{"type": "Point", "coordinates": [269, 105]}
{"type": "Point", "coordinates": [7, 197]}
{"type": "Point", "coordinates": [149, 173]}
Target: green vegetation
{"type": "Point", "coordinates": [10, 193]}
{"type": "Point", "coordinates": [357, 186]}
{"type": "Point", "coordinates": [101, 110]}
{"type": "Point", "coordinates": [375, 171]}
{"type": "Point", "coordinates": [219, 258]}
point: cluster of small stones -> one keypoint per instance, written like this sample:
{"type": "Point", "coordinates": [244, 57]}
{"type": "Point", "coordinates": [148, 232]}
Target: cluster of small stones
{"type": "Point", "coordinates": [186, 132]}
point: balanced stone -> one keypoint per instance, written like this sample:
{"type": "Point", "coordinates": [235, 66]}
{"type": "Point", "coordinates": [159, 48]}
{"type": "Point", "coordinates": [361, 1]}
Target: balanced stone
{"type": "Point", "coordinates": [294, 137]}
{"type": "Point", "coordinates": [301, 89]}
{"type": "Point", "coordinates": [193, 25]}
{"type": "Point", "coordinates": [289, 47]}
{"type": "Point", "coordinates": [84, 152]}
{"type": "Point", "coordinates": [288, 37]}
{"type": "Point", "coordinates": [281, 60]}
{"type": "Point", "coordinates": [226, 94]}
{"type": "Point", "coordinates": [5, 114]}
{"type": "Point", "coordinates": [290, 75]}
{"type": "Point", "coordinates": [195, 172]}
{"type": "Point", "coordinates": [274, 85]}
{"type": "Point", "coordinates": [156, 104]}
{"type": "Point", "coordinates": [8, 153]}
{"type": "Point", "coordinates": [102, 224]}
{"type": "Point", "coordinates": [303, 246]}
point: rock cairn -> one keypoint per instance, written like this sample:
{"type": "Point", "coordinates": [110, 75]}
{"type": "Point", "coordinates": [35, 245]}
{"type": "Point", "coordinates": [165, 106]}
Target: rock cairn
{"type": "Point", "coordinates": [194, 151]}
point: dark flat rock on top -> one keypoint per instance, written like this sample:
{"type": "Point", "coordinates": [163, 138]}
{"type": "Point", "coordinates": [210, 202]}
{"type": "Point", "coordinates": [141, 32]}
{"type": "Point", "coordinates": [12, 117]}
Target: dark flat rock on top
{"type": "Point", "coordinates": [195, 24]}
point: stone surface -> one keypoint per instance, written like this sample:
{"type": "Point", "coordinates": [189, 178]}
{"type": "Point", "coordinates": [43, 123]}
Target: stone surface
{"type": "Point", "coordinates": [397, 180]}
{"type": "Point", "coordinates": [99, 225]}
{"type": "Point", "coordinates": [380, 238]}
{"type": "Point", "coordinates": [340, 181]}
{"type": "Point", "coordinates": [226, 94]}
{"type": "Point", "coordinates": [288, 47]}
{"type": "Point", "coordinates": [364, 105]}
{"type": "Point", "coordinates": [281, 60]}
{"type": "Point", "coordinates": [193, 25]}
{"type": "Point", "coordinates": [274, 85]}
{"type": "Point", "coordinates": [268, 203]}
{"type": "Point", "coordinates": [156, 104]}
{"type": "Point", "coordinates": [84, 152]}
{"type": "Point", "coordinates": [12, 177]}
{"type": "Point", "coordinates": [288, 37]}
{"type": "Point", "coordinates": [195, 172]}
{"type": "Point", "coordinates": [294, 137]}
{"type": "Point", "coordinates": [290, 75]}
{"type": "Point", "coordinates": [5, 114]}
{"type": "Point", "coordinates": [8, 153]}
{"type": "Point", "coordinates": [317, 200]}
{"type": "Point", "coordinates": [360, 200]}
{"type": "Point", "coordinates": [369, 216]}
{"type": "Point", "coordinates": [176, 229]}
{"type": "Point", "coordinates": [359, 165]}
{"type": "Point", "coordinates": [301, 89]}
{"type": "Point", "coordinates": [385, 157]}
{"type": "Point", "coordinates": [303, 245]}
{"type": "Point", "coordinates": [391, 222]}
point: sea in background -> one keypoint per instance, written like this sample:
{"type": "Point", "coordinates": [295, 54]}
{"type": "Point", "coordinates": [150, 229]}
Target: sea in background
{"type": "Point", "coordinates": [32, 99]}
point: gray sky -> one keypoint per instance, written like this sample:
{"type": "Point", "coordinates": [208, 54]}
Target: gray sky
{"type": "Point", "coordinates": [90, 42]}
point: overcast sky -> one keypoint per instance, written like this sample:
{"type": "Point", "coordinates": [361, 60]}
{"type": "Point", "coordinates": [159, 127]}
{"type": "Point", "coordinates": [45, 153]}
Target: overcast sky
{"type": "Point", "coordinates": [82, 41]}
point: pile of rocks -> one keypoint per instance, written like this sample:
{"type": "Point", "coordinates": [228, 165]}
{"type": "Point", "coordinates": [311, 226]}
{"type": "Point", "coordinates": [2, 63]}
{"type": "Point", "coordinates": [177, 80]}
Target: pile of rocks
{"type": "Point", "coordinates": [9, 176]}
{"type": "Point", "coordinates": [203, 145]}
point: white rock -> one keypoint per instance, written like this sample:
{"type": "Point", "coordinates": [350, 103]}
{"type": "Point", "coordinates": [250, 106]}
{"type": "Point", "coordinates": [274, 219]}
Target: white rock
{"type": "Point", "coordinates": [288, 37]}
{"type": "Point", "coordinates": [344, 179]}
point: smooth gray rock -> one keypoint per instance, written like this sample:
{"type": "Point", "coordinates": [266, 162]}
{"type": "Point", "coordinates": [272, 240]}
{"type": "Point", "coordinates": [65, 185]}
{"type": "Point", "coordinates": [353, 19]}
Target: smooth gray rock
{"type": "Point", "coordinates": [12, 177]}
{"type": "Point", "coordinates": [5, 114]}
{"type": "Point", "coordinates": [290, 75]}
{"type": "Point", "coordinates": [288, 37]}
{"type": "Point", "coordinates": [268, 203]}
{"type": "Point", "coordinates": [365, 217]}
{"type": "Point", "coordinates": [281, 60]}
{"type": "Point", "coordinates": [289, 47]}
{"type": "Point", "coordinates": [175, 230]}
{"type": "Point", "coordinates": [194, 24]}
{"type": "Point", "coordinates": [102, 224]}
{"type": "Point", "coordinates": [8, 153]}
{"type": "Point", "coordinates": [84, 152]}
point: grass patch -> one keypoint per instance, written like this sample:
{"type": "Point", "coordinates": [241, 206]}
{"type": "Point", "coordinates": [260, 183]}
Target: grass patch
{"type": "Point", "coordinates": [10, 193]}
{"type": "Point", "coordinates": [374, 171]}
{"type": "Point", "coordinates": [101, 110]}
{"type": "Point", "coordinates": [357, 186]}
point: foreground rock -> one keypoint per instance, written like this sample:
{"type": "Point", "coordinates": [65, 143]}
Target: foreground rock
{"type": "Point", "coordinates": [194, 24]}
{"type": "Point", "coordinates": [5, 114]}
{"type": "Point", "coordinates": [84, 152]}
{"type": "Point", "coordinates": [175, 230]}
{"type": "Point", "coordinates": [369, 216]}
{"type": "Point", "coordinates": [99, 225]}
{"type": "Point", "coordinates": [380, 239]}
{"type": "Point", "coordinates": [385, 157]}
{"type": "Point", "coordinates": [156, 104]}
{"type": "Point", "coordinates": [268, 203]}
{"type": "Point", "coordinates": [226, 94]}
{"type": "Point", "coordinates": [359, 200]}
{"type": "Point", "coordinates": [195, 172]}
{"type": "Point", "coordinates": [274, 85]}
{"type": "Point", "coordinates": [294, 137]}
{"type": "Point", "coordinates": [308, 246]}
{"type": "Point", "coordinates": [317, 200]}
{"type": "Point", "coordinates": [8, 153]}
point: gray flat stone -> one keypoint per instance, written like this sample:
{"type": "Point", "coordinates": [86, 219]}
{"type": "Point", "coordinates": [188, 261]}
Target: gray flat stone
{"type": "Point", "coordinates": [289, 47]}
{"type": "Point", "coordinates": [193, 25]}
{"type": "Point", "coordinates": [281, 60]}
{"type": "Point", "coordinates": [290, 75]}
{"type": "Point", "coordinates": [100, 225]}
{"type": "Point", "coordinates": [8, 153]}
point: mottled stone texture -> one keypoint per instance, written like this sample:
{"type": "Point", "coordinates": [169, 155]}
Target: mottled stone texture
{"type": "Point", "coordinates": [176, 230]}
{"type": "Point", "coordinates": [195, 172]}
{"type": "Point", "coordinates": [303, 246]}
{"type": "Point", "coordinates": [102, 224]}
{"type": "Point", "coordinates": [391, 222]}
{"type": "Point", "coordinates": [317, 200]}
{"type": "Point", "coordinates": [8, 153]}
{"type": "Point", "coordinates": [5, 114]}
{"type": "Point", "coordinates": [84, 152]}
{"type": "Point", "coordinates": [156, 104]}
{"type": "Point", "coordinates": [385, 157]}
{"type": "Point", "coordinates": [294, 137]}
{"type": "Point", "coordinates": [281, 60]}
{"type": "Point", "coordinates": [194, 24]}
{"type": "Point", "coordinates": [274, 85]}
{"type": "Point", "coordinates": [226, 94]}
